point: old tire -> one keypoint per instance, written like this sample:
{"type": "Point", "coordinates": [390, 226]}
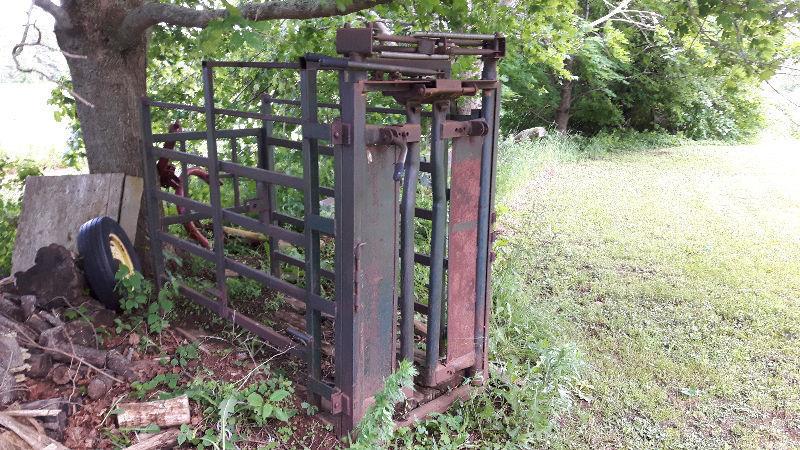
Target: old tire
{"type": "Point", "coordinates": [103, 247]}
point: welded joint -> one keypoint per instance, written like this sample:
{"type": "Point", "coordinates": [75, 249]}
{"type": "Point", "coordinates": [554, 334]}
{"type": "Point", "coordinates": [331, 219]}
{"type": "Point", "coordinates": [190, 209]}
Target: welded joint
{"type": "Point", "coordinates": [341, 133]}
{"type": "Point", "coordinates": [454, 128]}
{"type": "Point", "coordinates": [340, 403]}
{"type": "Point", "coordinates": [392, 134]}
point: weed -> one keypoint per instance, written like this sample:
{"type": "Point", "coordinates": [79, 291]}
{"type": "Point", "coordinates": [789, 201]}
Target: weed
{"type": "Point", "coordinates": [140, 305]}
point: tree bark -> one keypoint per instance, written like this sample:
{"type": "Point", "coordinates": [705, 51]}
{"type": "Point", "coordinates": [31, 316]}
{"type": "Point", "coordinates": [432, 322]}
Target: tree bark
{"type": "Point", "coordinates": [563, 110]}
{"type": "Point", "coordinates": [112, 79]}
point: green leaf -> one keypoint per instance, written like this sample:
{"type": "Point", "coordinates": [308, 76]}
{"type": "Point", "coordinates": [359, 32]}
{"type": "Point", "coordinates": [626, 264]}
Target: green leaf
{"type": "Point", "coordinates": [255, 400]}
{"type": "Point", "coordinates": [279, 395]}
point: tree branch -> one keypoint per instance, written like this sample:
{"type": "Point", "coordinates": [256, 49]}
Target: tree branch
{"type": "Point", "coordinates": [149, 14]}
{"type": "Point", "coordinates": [619, 8]}
{"type": "Point", "coordinates": [61, 16]}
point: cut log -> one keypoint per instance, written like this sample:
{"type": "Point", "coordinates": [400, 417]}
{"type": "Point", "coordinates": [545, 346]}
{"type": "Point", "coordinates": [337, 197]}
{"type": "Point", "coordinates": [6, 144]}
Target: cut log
{"type": "Point", "coordinates": [120, 365]}
{"type": "Point", "coordinates": [62, 375]}
{"type": "Point", "coordinates": [164, 413]}
{"type": "Point", "coordinates": [11, 310]}
{"type": "Point", "coordinates": [35, 322]}
{"type": "Point", "coordinates": [74, 353]}
{"type": "Point", "coordinates": [29, 435]}
{"type": "Point", "coordinates": [10, 441]}
{"type": "Point", "coordinates": [167, 439]}
{"type": "Point", "coordinates": [98, 387]}
{"type": "Point", "coordinates": [40, 365]}
{"type": "Point", "coordinates": [28, 305]}
{"type": "Point", "coordinates": [8, 325]}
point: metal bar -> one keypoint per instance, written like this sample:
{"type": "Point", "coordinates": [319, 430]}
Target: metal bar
{"type": "Point", "coordinates": [268, 334]}
{"type": "Point", "coordinates": [346, 251]}
{"type": "Point", "coordinates": [481, 37]}
{"type": "Point", "coordinates": [283, 218]}
{"type": "Point", "coordinates": [436, 278]}
{"type": "Point", "coordinates": [253, 64]}
{"type": "Point", "coordinates": [425, 214]}
{"type": "Point", "coordinates": [179, 156]}
{"type": "Point", "coordinates": [308, 90]}
{"type": "Point", "coordinates": [192, 205]}
{"type": "Point", "coordinates": [266, 160]}
{"type": "Point", "coordinates": [263, 175]}
{"type": "Point", "coordinates": [150, 186]}
{"type": "Point", "coordinates": [168, 105]}
{"type": "Point", "coordinates": [284, 143]}
{"type": "Point", "coordinates": [184, 170]}
{"type": "Point", "coordinates": [407, 206]}
{"type": "Point", "coordinates": [213, 184]}
{"type": "Point", "coordinates": [297, 262]}
{"type": "Point", "coordinates": [266, 228]}
{"type": "Point", "coordinates": [489, 106]}
{"type": "Point", "coordinates": [328, 62]}
{"type": "Point", "coordinates": [234, 177]}
{"type": "Point", "coordinates": [256, 115]}
{"type": "Point", "coordinates": [201, 135]}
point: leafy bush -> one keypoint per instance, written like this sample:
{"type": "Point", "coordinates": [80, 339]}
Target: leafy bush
{"type": "Point", "coordinates": [12, 178]}
{"type": "Point", "coordinates": [139, 303]}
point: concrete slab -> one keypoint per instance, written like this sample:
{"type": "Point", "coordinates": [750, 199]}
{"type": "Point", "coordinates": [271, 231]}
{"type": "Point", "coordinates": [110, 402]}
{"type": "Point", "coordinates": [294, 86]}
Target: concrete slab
{"type": "Point", "coordinates": [54, 208]}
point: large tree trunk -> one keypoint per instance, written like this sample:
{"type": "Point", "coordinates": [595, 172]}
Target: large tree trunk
{"type": "Point", "coordinates": [563, 110]}
{"type": "Point", "coordinates": [112, 80]}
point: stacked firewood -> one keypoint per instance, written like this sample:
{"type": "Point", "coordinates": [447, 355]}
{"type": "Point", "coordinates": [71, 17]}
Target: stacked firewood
{"type": "Point", "coordinates": [49, 331]}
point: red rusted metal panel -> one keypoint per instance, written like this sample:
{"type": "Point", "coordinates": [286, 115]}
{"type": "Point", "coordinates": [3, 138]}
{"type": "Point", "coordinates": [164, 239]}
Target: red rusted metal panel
{"type": "Point", "coordinates": [462, 251]}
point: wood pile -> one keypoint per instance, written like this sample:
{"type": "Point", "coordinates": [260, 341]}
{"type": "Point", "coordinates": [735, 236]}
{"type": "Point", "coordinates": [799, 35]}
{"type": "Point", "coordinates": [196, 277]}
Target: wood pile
{"type": "Point", "coordinates": [48, 331]}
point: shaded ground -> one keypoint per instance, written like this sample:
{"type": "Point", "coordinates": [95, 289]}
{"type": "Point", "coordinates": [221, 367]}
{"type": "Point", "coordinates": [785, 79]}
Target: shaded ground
{"type": "Point", "coordinates": [677, 272]}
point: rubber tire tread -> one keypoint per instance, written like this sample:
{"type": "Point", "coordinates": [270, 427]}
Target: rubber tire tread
{"type": "Point", "coordinates": [98, 265]}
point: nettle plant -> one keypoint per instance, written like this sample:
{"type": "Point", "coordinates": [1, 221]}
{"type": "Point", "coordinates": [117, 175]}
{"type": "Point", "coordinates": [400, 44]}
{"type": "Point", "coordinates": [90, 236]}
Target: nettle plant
{"type": "Point", "coordinates": [139, 303]}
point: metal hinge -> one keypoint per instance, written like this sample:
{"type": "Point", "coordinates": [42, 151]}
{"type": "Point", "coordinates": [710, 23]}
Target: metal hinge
{"type": "Point", "coordinates": [340, 403]}
{"type": "Point", "coordinates": [341, 133]}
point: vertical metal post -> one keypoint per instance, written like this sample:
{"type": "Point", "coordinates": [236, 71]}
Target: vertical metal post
{"type": "Point", "coordinates": [366, 256]}
{"type": "Point", "coordinates": [408, 204]}
{"type": "Point", "coordinates": [266, 160]}
{"type": "Point", "coordinates": [184, 170]}
{"type": "Point", "coordinates": [234, 177]}
{"type": "Point", "coordinates": [213, 185]}
{"type": "Point", "coordinates": [308, 93]}
{"type": "Point", "coordinates": [490, 110]}
{"type": "Point", "coordinates": [150, 187]}
{"type": "Point", "coordinates": [439, 230]}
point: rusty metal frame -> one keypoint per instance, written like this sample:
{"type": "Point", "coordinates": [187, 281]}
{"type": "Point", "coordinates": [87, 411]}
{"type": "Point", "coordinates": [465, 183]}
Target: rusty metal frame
{"type": "Point", "coordinates": [375, 315]}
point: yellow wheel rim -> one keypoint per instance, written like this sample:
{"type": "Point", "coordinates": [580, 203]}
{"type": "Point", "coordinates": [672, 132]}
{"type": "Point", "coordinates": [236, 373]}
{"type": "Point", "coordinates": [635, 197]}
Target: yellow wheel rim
{"type": "Point", "coordinates": [120, 253]}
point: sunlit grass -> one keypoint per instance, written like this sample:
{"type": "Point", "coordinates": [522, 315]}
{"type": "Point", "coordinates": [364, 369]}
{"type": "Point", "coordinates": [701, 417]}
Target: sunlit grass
{"type": "Point", "coordinates": [677, 273]}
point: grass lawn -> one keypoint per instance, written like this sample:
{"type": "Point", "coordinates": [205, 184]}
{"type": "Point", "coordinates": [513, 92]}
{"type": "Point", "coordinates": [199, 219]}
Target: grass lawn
{"type": "Point", "coordinates": [676, 274]}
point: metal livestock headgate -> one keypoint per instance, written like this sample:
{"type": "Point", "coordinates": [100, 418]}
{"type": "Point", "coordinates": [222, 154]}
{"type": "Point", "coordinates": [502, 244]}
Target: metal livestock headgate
{"type": "Point", "coordinates": [370, 312]}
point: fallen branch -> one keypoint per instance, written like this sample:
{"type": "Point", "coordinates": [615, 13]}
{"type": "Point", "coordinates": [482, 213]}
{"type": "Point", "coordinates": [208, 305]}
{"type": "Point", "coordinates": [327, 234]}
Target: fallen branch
{"type": "Point", "coordinates": [29, 435]}
{"type": "Point", "coordinates": [164, 413]}
{"type": "Point", "coordinates": [166, 439]}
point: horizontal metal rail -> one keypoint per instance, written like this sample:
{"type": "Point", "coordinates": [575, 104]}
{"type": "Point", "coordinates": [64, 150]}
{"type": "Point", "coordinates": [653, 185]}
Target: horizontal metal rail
{"type": "Point", "coordinates": [252, 64]}
{"type": "Point", "coordinates": [264, 175]}
{"type": "Point", "coordinates": [268, 229]}
{"type": "Point", "coordinates": [169, 105]}
{"type": "Point", "coordinates": [297, 262]}
{"type": "Point", "coordinates": [202, 135]}
{"type": "Point", "coordinates": [258, 116]}
{"type": "Point", "coordinates": [263, 331]}
{"type": "Point", "coordinates": [180, 156]}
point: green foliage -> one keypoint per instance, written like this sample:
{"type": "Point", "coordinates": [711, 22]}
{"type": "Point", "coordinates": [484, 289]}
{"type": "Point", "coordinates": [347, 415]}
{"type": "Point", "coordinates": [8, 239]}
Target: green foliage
{"type": "Point", "coordinates": [227, 406]}
{"type": "Point", "coordinates": [184, 354]}
{"type": "Point", "coordinates": [12, 178]}
{"type": "Point", "coordinates": [377, 426]}
{"type": "Point", "coordinates": [139, 303]}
